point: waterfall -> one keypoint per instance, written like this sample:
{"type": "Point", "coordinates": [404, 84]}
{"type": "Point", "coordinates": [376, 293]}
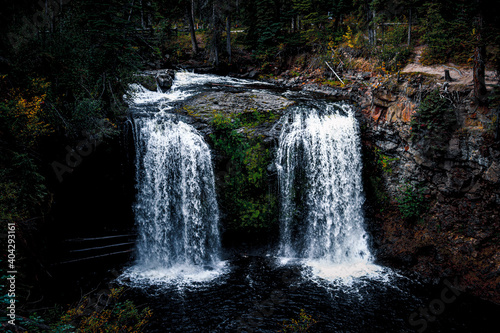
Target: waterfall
{"type": "Point", "coordinates": [176, 209]}
{"type": "Point", "coordinates": [319, 171]}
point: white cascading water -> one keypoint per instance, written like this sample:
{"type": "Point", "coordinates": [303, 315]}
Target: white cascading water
{"type": "Point", "coordinates": [319, 170]}
{"type": "Point", "coordinates": [176, 208]}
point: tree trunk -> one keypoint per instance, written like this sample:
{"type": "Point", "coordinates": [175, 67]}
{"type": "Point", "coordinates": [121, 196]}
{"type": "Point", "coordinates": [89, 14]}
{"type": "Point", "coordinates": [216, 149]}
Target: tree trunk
{"type": "Point", "coordinates": [409, 28]}
{"type": "Point", "coordinates": [479, 60]}
{"type": "Point", "coordinates": [215, 36]}
{"type": "Point", "coordinates": [497, 127]}
{"type": "Point", "coordinates": [192, 9]}
{"type": "Point", "coordinates": [447, 76]}
{"type": "Point", "coordinates": [52, 15]}
{"type": "Point", "coordinates": [374, 28]}
{"type": "Point", "coordinates": [149, 23]}
{"type": "Point", "coordinates": [228, 37]}
{"type": "Point", "coordinates": [372, 38]}
{"type": "Point", "coordinates": [131, 8]}
{"type": "Point", "coordinates": [190, 20]}
{"type": "Point", "coordinates": [479, 75]}
{"type": "Point", "coordinates": [142, 14]}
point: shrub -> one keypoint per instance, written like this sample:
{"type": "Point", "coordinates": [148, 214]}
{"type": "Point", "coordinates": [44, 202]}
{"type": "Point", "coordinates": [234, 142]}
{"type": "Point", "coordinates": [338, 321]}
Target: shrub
{"type": "Point", "coordinates": [433, 124]}
{"type": "Point", "coordinates": [446, 40]}
{"type": "Point", "coordinates": [411, 201]}
{"type": "Point", "coordinates": [394, 53]}
{"type": "Point", "coordinates": [384, 162]}
{"type": "Point", "coordinates": [245, 198]}
{"type": "Point", "coordinates": [113, 316]}
{"type": "Point", "coordinates": [303, 324]}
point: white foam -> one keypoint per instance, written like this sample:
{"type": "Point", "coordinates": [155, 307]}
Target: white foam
{"type": "Point", "coordinates": [345, 273]}
{"type": "Point", "coordinates": [179, 274]}
{"type": "Point", "coordinates": [183, 79]}
{"type": "Point", "coordinates": [142, 96]}
{"type": "Point", "coordinates": [180, 89]}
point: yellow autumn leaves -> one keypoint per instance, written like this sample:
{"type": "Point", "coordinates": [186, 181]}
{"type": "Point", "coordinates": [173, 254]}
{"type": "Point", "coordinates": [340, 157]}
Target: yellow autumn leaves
{"type": "Point", "coordinates": [114, 316]}
{"type": "Point", "coordinates": [28, 111]}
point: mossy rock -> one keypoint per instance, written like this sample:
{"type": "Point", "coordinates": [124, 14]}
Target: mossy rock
{"type": "Point", "coordinates": [205, 106]}
{"type": "Point", "coordinates": [254, 112]}
{"type": "Point", "coordinates": [147, 81]}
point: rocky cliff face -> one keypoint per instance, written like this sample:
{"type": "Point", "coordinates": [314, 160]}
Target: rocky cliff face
{"type": "Point", "coordinates": [447, 176]}
{"type": "Point", "coordinates": [457, 233]}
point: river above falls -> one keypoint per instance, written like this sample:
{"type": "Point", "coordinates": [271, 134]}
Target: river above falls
{"type": "Point", "coordinates": [257, 291]}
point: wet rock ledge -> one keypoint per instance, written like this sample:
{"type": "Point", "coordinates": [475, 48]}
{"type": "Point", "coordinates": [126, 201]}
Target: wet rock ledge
{"type": "Point", "coordinates": [201, 110]}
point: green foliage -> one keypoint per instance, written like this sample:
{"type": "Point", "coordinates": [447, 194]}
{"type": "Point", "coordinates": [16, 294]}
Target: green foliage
{"type": "Point", "coordinates": [447, 40]}
{"type": "Point", "coordinates": [254, 118]}
{"type": "Point", "coordinates": [23, 189]}
{"type": "Point", "coordinates": [23, 112]}
{"type": "Point", "coordinates": [375, 165]}
{"type": "Point", "coordinates": [87, 113]}
{"type": "Point", "coordinates": [435, 35]}
{"type": "Point", "coordinates": [411, 202]}
{"type": "Point", "coordinates": [87, 63]}
{"type": "Point", "coordinates": [245, 194]}
{"type": "Point", "coordinates": [4, 297]}
{"type": "Point", "coordinates": [384, 162]}
{"type": "Point", "coordinates": [31, 323]}
{"type": "Point", "coordinates": [331, 83]}
{"type": "Point", "coordinates": [433, 124]}
{"type": "Point", "coordinates": [377, 192]}
{"type": "Point", "coordinates": [67, 76]}
{"type": "Point", "coordinates": [277, 28]}
{"type": "Point", "coordinates": [263, 27]}
{"type": "Point", "coordinates": [24, 121]}
{"type": "Point", "coordinates": [394, 52]}
{"type": "Point", "coordinates": [302, 324]}
{"type": "Point", "coordinates": [227, 139]}
{"type": "Point", "coordinates": [114, 316]}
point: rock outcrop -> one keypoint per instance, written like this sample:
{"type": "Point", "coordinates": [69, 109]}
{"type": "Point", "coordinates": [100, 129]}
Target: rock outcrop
{"type": "Point", "coordinates": [459, 233]}
{"type": "Point", "coordinates": [203, 108]}
{"type": "Point", "coordinates": [164, 79]}
{"type": "Point", "coordinates": [156, 79]}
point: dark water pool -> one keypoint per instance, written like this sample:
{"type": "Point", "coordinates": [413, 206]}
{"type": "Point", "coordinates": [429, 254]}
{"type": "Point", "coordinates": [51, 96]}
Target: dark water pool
{"type": "Point", "coordinates": [257, 295]}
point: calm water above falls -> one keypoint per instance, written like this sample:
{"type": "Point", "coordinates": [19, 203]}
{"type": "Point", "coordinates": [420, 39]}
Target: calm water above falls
{"type": "Point", "coordinates": [194, 286]}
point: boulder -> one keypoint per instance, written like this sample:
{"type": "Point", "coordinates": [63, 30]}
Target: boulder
{"type": "Point", "coordinates": [385, 96]}
{"type": "Point", "coordinates": [203, 108]}
{"type": "Point", "coordinates": [492, 175]}
{"type": "Point", "coordinates": [147, 81]}
{"type": "Point", "coordinates": [164, 79]}
{"type": "Point", "coordinates": [253, 74]}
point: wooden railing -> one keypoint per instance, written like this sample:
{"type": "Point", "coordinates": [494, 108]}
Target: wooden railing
{"type": "Point", "coordinates": [92, 248]}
